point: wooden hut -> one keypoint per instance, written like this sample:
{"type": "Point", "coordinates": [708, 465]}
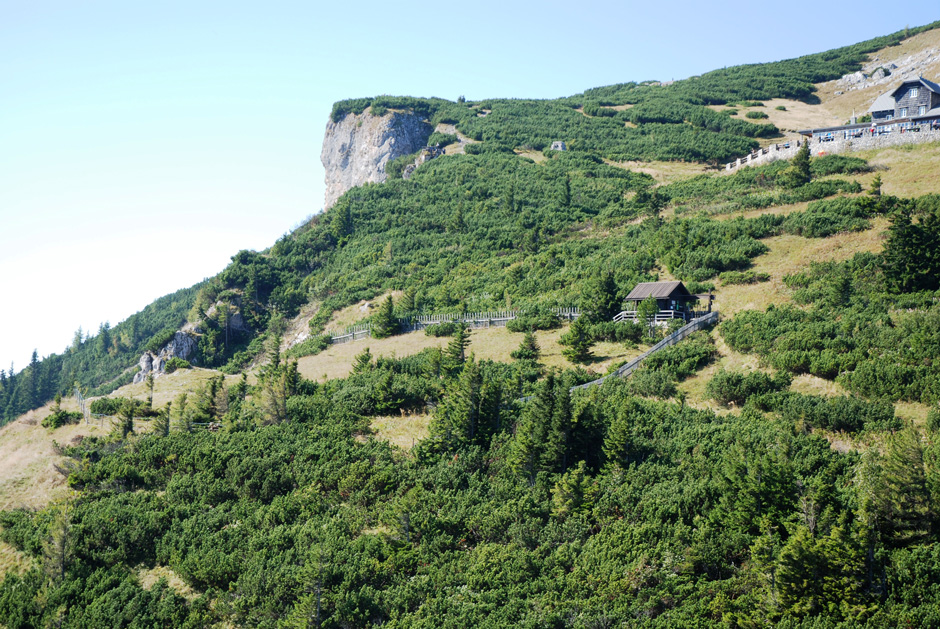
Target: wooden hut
{"type": "Point", "coordinates": [673, 298]}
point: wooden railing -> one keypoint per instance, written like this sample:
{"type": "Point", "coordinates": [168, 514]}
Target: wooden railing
{"type": "Point", "coordinates": [694, 326]}
{"type": "Point", "coordinates": [662, 315]}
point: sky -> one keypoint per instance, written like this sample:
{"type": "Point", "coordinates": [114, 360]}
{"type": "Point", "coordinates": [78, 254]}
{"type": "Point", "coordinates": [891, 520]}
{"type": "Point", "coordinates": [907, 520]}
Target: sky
{"type": "Point", "coordinates": [142, 144]}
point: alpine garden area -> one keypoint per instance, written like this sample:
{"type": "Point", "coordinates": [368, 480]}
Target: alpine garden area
{"type": "Point", "coordinates": [779, 469]}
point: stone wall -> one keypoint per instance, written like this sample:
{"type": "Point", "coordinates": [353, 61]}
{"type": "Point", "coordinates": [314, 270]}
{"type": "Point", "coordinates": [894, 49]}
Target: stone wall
{"type": "Point", "coordinates": [837, 145]}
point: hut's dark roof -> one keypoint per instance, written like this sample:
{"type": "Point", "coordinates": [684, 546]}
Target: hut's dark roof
{"type": "Point", "coordinates": [658, 290]}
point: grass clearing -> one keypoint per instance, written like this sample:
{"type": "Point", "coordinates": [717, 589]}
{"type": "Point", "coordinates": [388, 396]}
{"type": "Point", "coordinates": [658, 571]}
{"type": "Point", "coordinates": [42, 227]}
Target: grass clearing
{"type": "Point", "coordinates": [12, 560]}
{"type": "Point", "coordinates": [28, 477]}
{"type": "Point", "coordinates": [729, 360]}
{"type": "Point", "coordinates": [813, 385]}
{"type": "Point", "coordinates": [149, 577]}
{"type": "Point", "coordinates": [798, 116]}
{"type": "Point", "coordinates": [536, 156]}
{"type": "Point", "coordinates": [403, 431]}
{"type": "Point", "coordinates": [167, 387]}
{"type": "Point", "coordinates": [351, 315]}
{"type": "Point", "coordinates": [789, 254]}
{"type": "Point", "coordinates": [906, 171]}
{"type": "Point", "coordinates": [913, 412]}
{"type": "Point", "coordinates": [486, 344]}
{"type": "Point", "coordinates": [663, 172]}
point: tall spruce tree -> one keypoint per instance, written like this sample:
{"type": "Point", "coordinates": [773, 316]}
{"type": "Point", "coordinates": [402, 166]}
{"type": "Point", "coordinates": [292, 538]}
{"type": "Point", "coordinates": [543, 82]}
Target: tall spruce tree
{"type": "Point", "coordinates": [385, 324]}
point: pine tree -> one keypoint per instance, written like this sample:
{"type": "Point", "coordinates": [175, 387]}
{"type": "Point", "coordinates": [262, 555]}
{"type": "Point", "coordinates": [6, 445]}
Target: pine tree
{"type": "Point", "coordinates": [126, 419]}
{"type": "Point", "coordinates": [646, 311]}
{"type": "Point", "coordinates": [406, 305]}
{"type": "Point", "coordinates": [578, 341]}
{"type": "Point", "coordinates": [456, 422]}
{"type": "Point", "coordinates": [557, 441]}
{"type": "Point", "coordinates": [341, 223]}
{"type": "Point", "coordinates": [161, 425]}
{"type": "Point", "coordinates": [800, 171]}
{"type": "Point", "coordinates": [363, 361]}
{"type": "Point", "coordinates": [528, 349]}
{"type": "Point", "coordinates": [527, 450]}
{"type": "Point", "coordinates": [57, 547]}
{"type": "Point", "coordinates": [566, 192]}
{"type": "Point", "coordinates": [148, 382]}
{"type": "Point", "coordinates": [455, 354]}
{"type": "Point", "coordinates": [600, 300]}
{"type": "Point", "coordinates": [385, 324]}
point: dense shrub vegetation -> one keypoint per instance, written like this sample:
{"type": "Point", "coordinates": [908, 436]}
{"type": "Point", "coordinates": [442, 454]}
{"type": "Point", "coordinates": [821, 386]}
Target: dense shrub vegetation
{"type": "Point", "coordinates": [512, 506]}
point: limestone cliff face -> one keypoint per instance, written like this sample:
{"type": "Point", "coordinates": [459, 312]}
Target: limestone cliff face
{"type": "Point", "coordinates": [356, 149]}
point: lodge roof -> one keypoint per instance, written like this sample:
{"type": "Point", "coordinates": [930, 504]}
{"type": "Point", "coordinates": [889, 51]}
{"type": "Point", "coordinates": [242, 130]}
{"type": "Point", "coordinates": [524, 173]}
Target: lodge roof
{"type": "Point", "coordinates": [930, 85]}
{"type": "Point", "coordinates": [886, 101]}
{"type": "Point", "coordinates": [658, 290]}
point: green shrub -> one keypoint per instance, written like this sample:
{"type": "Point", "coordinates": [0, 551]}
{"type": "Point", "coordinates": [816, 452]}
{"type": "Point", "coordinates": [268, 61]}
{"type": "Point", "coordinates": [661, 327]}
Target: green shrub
{"type": "Point", "coordinates": [310, 346]}
{"type": "Point", "coordinates": [780, 108]}
{"type": "Point", "coordinates": [618, 332]}
{"type": "Point", "coordinates": [933, 420]}
{"type": "Point", "coordinates": [159, 340]}
{"type": "Point", "coordinates": [756, 115]}
{"type": "Point", "coordinates": [442, 139]}
{"type": "Point", "coordinates": [683, 359]}
{"type": "Point", "coordinates": [395, 167]}
{"type": "Point", "coordinates": [743, 277]}
{"type": "Point", "coordinates": [445, 328]}
{"type": "Point", "coordinates": [843, 413]}
{"type": "Point", "coordinates": [175, 363]}
{"type": "Point", "coordinates": [727, 387]}
{"type": "Point", "coordinates": [61, 418]}
{"type": "Point", "coordinates": [534, 319]}
{"type": "Point", "coordinates": [651, 383]}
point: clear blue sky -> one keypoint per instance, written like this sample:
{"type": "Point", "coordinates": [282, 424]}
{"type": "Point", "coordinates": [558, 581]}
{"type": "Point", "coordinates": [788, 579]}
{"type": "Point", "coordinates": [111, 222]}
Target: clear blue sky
{"type": "Point", "coordinates": [144, 143]}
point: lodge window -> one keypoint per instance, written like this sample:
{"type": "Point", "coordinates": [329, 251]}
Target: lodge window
{"type": "Point", "coordinates": [903, 112]}
{"type": "Point", "coordinates": [914, 92]}
{"type": "Point", "coordinates": [922, 110]}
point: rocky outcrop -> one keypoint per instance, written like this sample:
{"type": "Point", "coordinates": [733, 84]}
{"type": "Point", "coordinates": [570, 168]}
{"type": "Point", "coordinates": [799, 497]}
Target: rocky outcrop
{"type": "Point", "coordinates": [356, 149]}
{"type": "Point", "coordinates": [182, 345]}
{"type": "Point", "coordinates": [891, 72]}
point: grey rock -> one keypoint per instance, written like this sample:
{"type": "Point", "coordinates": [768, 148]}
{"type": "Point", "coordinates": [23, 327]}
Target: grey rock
{"type": "Point", "coordinates": [182, 345]}
{"type": "Point", "coordinates": [356, 149]}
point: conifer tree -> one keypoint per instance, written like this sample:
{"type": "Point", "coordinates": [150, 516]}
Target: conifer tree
{"type": "Point", "coordinates": [557, 441]}
{"type": "Point", "coordinates": [578, 341]}
{"type": "Point", "coordinates": [148, 382]}
{"type": "Point", "coordinates": [800, 171]}
{"type": "Point", "coordinates": [363, 361]}
{"type": "Point", "coordinates": [161, 425]}
{"type": "Point", "coordinates": [528, 349]}
{"type": "Point", "coordinates": [600, 300]}
{"type": "Point", "coordinates": [532, 430]}
{"type": "Point", "coordinates": [455, 354]}
{"type": "Point", "coordinates": [385, 323]}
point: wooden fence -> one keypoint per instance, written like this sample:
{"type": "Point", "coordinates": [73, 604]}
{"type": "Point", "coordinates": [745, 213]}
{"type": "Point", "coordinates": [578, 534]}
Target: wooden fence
{"type": "Point", "coordinates": [695, 325]}
{"type": "Point", "coordinates": [474, 320]}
